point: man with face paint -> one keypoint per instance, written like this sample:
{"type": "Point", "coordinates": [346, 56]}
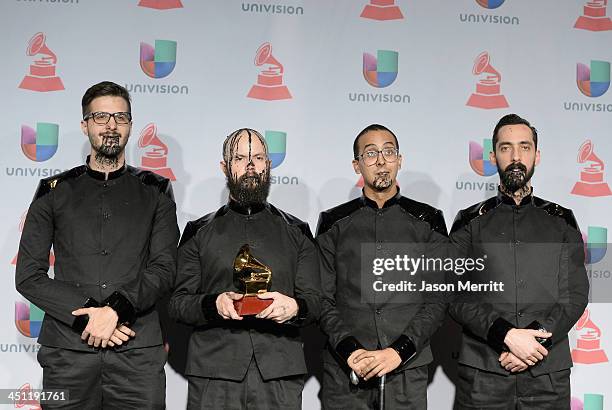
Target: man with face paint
{"type": "Point", "coordinates": [114, 234]}
{"type": "Point", "coordinates": [239, 362]}
{"type": "Point", "coordinates": [389, 337]}
{"type": "Point", "coordinates": [515, 351]}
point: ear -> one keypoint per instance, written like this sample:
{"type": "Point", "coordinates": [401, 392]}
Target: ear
{"type": "Point", "coordinates": [537, 158]}
{"type": "Point", "coordinates": [356, 166]}
{"type": "Point", "coordinates": [399, 161]}
{"type": "Point", "coordinates": [492, 158]}
{"type": "Point", "coordinates": [223, 166]}
{"type": "Point", "coordinates": [84, 127]}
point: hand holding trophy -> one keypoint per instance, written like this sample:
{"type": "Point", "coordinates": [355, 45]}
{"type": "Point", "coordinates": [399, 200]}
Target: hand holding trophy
{"type": "Point", "coordinates": [251, 277]}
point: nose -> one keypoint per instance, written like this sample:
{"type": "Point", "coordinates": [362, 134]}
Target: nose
{"type": "Point", "coordinates": [380, 159]}
{"type": "Point", "coordinates": [516, 155]}
{"type": "Point", "coordinates": [111, 124]}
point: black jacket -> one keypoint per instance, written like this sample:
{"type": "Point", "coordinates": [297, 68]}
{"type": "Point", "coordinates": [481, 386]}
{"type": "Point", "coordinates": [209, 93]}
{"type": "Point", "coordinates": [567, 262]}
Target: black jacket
{"type": "Point", "coordinates": [221, 348]}
{"type": "Point", "coordinates": [351, 322]}
{"type": "Point", "coordinates": [115, 244]}
{"type": "Point", "coordinates": [536, 249]}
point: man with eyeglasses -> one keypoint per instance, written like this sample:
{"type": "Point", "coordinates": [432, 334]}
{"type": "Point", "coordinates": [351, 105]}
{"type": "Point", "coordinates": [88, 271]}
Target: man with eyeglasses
{"type": "Point", "coordinates": [386, 336]}
{"type": "Point", "coordinates": [114, 233]}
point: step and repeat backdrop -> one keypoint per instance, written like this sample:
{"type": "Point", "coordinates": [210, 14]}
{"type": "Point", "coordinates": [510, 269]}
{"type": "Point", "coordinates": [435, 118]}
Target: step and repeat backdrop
{"type": "Point", "coordinates": [310, 75]}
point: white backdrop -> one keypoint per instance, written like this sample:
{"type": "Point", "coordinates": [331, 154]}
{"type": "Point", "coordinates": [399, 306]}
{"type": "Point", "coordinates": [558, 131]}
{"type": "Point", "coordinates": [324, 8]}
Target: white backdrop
{"type": "Point", "coordinates": [424, 52]}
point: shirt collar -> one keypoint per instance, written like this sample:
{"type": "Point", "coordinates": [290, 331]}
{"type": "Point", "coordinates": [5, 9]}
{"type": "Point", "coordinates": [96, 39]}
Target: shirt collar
{"type": "Point", "coordinates": [246, 210]}
{"type": "Point", "coordinates": [102, 175]}
{"type": "Point", "coordinates": [503, 198]}
{"type": "Point", "coordinates": [372, 204]}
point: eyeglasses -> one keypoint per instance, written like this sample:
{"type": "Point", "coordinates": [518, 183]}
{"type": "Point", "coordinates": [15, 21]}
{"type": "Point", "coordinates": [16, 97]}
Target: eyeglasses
{"type": "Point", "coordinates": [102, 118]}
{"type": "Point", "coordinates": [371, 156]}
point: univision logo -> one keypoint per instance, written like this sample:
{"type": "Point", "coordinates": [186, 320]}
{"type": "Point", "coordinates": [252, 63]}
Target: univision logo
{"type": "Point", "coordinates": [380, 71]}
{"type": "Point", "coordinates": [39, 144]}
{"type": "Point", "coordinates": [593, 81]}
{"type": "Point", "coordinates": [28, 319]}
{"type": "Point", "coordinates": [490, 4]}
{"type": "Point", "coordinates": [158, 61]}
{"type": "Point", "coordinates": [479, 158]}
{"type": "Point", "coordinates": [277, 146]}
{"type": "Point", "coordinates": [595, 244]}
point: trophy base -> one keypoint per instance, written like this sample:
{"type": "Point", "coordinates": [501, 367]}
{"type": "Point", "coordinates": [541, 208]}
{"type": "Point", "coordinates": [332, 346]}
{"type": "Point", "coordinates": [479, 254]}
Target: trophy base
{"type": "Point", "coordinates": [589, 356]}
{"type": "Point", "coordinates": [381, 13]}
{"type": "Point", "coordinates": [593, 24]}
{"type": "Point", "coordinates": [487, 101]}
{"type": "Point", "coordinates": [592, 190]}
{"type": "Point", "coordinates": [41, 83]}
{"type": "Point", "coordinates": [269, 93]}
{"type": "Point", "coordinates": [251, 305]}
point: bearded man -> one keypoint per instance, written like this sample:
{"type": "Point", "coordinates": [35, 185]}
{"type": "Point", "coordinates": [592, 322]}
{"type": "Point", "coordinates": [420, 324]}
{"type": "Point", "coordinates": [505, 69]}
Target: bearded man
{"type": "Point", "coordinates": [239, 361]}
{"type": "Point", "coordinates": [515, 351]}
{"type": "Point", "coordinates": [114, 233]}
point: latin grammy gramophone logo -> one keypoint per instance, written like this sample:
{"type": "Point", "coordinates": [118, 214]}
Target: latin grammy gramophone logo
{"type": "Point", "coordinates": [27, 398]}
{"type": "Point", "coordinates": [594, 17]}
{"type": "Point", "coordinates": [155, 159]}
{"type": "Point", "coordinates": [380, 71]}
{"type": "Point", "coordinates": [42, 76]}
{"type": "Point", "coordinates": [490, 4]}
{"type": "Point", "coordinates": [479, 158]}
{"type": "Point", "coordinates": [21, 225]}
{"type": "Point", "coordinates": [593, 81]}
{"type": "Point", "coordinates": [269, 84]}
{"type": "Point", "coordinates": [588, 346]}
{"type": "Point", "coordinates": [382, 10]}
{"type": "Point", "coordinates": [161, 4]}
{"type": "Point", "coordinates": [591, 181]}
{"type": "Point", "coordinates": [488, 90]}
{"type": "Point", "coordinates": [158, 61]}
{"type": "Point", "coordinates": [39, 144]}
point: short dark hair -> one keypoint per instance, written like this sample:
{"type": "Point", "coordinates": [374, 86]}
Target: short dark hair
{"type": "Point", "coordinates": [105, 88]}
{"type": "Point", "coordinates": [371, 127]}
{"type": "Point", "coordinates": [513, 119]}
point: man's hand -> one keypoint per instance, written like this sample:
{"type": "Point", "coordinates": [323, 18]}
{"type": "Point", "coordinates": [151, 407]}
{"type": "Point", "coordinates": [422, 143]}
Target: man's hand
{"type": "Point", "coordinates": [381, 362]}
{"type": "Point", "coordinates": [512, 363]}
{"type": "Point", "coordinates": [100, 326]}
{"type": "Point", "coordinates": [523, 344]}
{"type": "Point", "coordinates": [282, 308]}
{"type": "Point", "coordinates": [355, 365]}
{"type": "Point", "coordinates": [225, 305]}
{"type": "Point", "coordinates": [121, 334]}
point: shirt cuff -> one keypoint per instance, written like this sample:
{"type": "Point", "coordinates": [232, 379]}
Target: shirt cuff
{"type": "Point", "coordinates": [301, 314]}
{"type": "Point", "coordinates": [497, 334]}
{"type": "Point", "coordinates": [404, 347]}
{"type": "Point", "coordinates": [80, 322]}
{"type": "Point", "coordinates": [347, 346]}
{"type": "Point", "coordinates": [124, 308]}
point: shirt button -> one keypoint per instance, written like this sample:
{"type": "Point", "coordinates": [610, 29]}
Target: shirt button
{"type": "Point", "coordinates": [106, 215]}
{"type": "Point", "coordinates": [105, 252]}
{"type": "Point", "coordinates": [520, 313]}
{"type": "Point", "coordinates": [379, 213]}
{"type": "Point", "coordinates": [105, 185]}
{"type": "Point", "coordinates": [378, 311]}
{"type": "Point", "coordinates": [379, 246]}
{"type": "Point", "coordinates": [103, 286]}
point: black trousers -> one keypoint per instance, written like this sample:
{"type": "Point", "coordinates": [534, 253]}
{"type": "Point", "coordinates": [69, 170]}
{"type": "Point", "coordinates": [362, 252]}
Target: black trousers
{"type": "Point", "coordinates": [479, 389]}
{"type": "Point", "coordinates": [252, 392]}
{"type": "Point", "coordinates": [404, 390]}
{"type": "Point", "coordinates": [131, 379]}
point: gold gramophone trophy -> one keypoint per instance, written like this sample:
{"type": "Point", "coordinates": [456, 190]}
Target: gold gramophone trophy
{"type": "Point", "coordinates": [251, 277]}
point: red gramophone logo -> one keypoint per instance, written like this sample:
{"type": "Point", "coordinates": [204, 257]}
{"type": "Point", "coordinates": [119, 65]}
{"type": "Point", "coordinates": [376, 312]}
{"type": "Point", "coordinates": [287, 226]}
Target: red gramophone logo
{"type": "Point", "coordinates": [591, 176]}
{"type": "Point", "coordinates": [594, 17]}
{"type": "Point", "coordinates": [42, 72]}
{"type": "Point", "coordinates": [588, 347]}
{"type": "Point", "coordinates": [270, 80]}
{"type": "Point", "coordinates": [26, 399]}
{"type": "Point", "coordinates": [156, 158]}
{"type": "Point", "coordinates": [161, 4]}
{"type": "Point", "coordinates": [382, 10]}
{"type": "Point", "coordinates": [21, 224]}
{"type": "Point", "coordinates": [488, 92]}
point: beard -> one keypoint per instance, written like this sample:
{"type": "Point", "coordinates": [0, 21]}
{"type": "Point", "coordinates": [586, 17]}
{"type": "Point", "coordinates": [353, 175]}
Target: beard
{"type": "Point", "coordinates": [382, 181]}
{"type": "Point", "coordinates": [251, 189]}
{"type": "Point", "coordinates": [516, 176]}
{"type": "Point", "coordinates": [109, 149]}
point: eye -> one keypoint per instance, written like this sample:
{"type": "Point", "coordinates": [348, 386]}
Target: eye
{"type": "Point", "coordinates": [259, 158]}
{"type": "Point", "coordinates": [389, 151]}
{"type": "Point", "coordinates": [370, 154]}
{"type": "Point", "coordinates": [101, 115]}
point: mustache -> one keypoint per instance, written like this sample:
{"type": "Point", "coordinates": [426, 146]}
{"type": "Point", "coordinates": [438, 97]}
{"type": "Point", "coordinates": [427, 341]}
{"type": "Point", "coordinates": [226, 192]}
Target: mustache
{"type": "Point", "coordinates": [516, 166]}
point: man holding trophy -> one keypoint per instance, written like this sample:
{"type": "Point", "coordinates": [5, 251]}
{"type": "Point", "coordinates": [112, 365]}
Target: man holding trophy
{"type": "Point", "coordinates": [248, 278]}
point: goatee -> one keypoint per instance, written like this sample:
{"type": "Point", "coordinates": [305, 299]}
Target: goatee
{"type": "Point", "coordinates": [249, 190]}
{"type": "Point", "coordinates": [515, 177]}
